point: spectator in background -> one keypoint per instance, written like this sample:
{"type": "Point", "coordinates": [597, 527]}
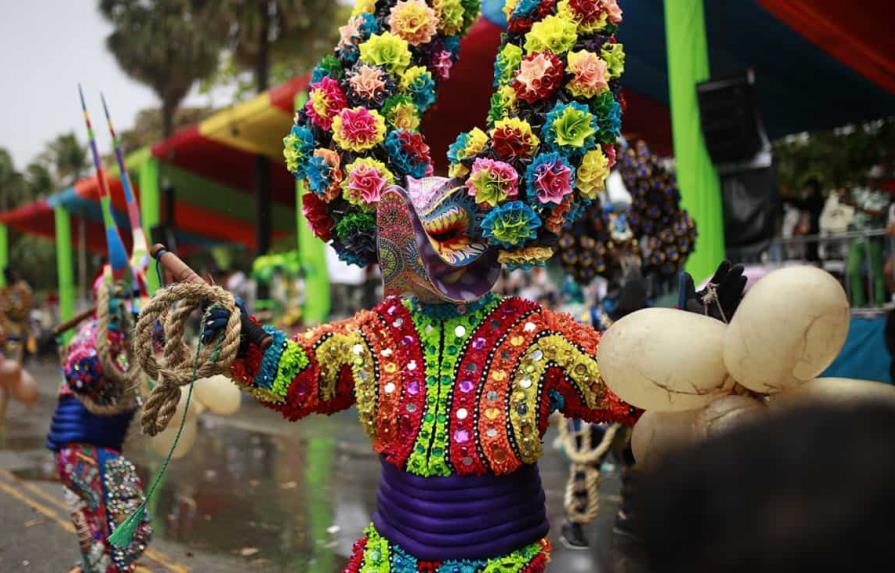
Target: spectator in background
{"type": "Point", "coordinates": [808, 491]}
{"type": "Point", "coordinates": [871, 207]}
{"type": "Point", "coordinates": [812, 205]}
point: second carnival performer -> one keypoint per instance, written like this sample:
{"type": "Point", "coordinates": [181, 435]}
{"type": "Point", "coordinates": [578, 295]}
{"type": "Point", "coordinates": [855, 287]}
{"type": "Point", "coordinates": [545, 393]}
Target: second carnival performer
{"type": "Point", "coordinates": [453, 384]}
{"type": "Point", "coordinates": [99, 397]}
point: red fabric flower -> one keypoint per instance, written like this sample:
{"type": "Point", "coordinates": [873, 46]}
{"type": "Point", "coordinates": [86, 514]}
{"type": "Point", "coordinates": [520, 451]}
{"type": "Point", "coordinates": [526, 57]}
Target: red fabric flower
{"type": "Point", "coordinates": [314, 210]}
{"type": "Point", "coordinates": [415, 146]}
{"type": "Point", "coordinates": [587, 11]}
{"type": "Point", "coordinates": [522, 25]}
{"type": "Point", "coordinates": [609, 152]}
{"type": "Point", "coordinates": [540, 75]}
{"type": "Point", "coordinates": [510, 143]}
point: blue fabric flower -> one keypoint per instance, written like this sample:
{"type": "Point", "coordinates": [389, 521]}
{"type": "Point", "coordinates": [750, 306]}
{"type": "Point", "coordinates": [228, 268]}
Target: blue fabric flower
{"type": "Point", "coordinates": [557, 126]}
{"type": "Point", "coordinates": [401, 159]}
{"type": "Point", "coordinates": [511, 224]}
{"type": "Point", "coordinates": [525, 8]}
{"type": "Point", "coordinates": [455, 150]}
{"type": "Point", "coordinates": [317, 171]}
{"type": "Point", "coordinates": [452, 45]}
{"type": "Point", "coordinates": [531, 173]}
{"type": "Point", "coordinates": [610, 124]}
{"type": "Point", "coordinates": [298, 147]}
{"type": "Point", "coordinates": [422, 91]}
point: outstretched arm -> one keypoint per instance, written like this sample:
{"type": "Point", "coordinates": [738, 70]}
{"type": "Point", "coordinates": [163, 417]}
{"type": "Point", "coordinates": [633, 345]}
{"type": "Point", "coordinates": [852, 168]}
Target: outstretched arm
{"type": "Point", "coordinates": [311, 373]}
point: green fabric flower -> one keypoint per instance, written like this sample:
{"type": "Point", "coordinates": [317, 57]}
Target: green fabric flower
{"type": "Point", "coordinates": [570, 127]}
{"type": "Point", "coordinates": [508, 61]}
{"type": "Point", "coordinates": [355, 222]}
{"type": "Point", "coordinates": [386, 50]}
{"type": "Point", "coordinates": [614, 54]}
{"type": "Point", "coordinates": [554, 33]}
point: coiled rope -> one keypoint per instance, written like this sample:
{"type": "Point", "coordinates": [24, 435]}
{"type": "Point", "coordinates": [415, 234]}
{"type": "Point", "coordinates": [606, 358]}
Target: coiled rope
{"type": "Point", "coordinates": [179, 366]}
{"type": "Point", "coordinates": [585, 460]}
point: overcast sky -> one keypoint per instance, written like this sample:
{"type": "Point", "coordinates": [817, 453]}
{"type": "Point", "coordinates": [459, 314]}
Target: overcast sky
{"type": "Point", "coordinates": [46, 48]}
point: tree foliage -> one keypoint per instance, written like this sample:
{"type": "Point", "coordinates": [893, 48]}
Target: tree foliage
{"type": "Point", "coordinates": [836, 157]}
{"type": "Point", "coordinates": [166, 44]}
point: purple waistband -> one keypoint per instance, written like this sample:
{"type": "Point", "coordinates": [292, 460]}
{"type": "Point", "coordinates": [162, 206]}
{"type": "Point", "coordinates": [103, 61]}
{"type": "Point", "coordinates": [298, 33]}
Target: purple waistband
{"type": "Point", "coordinates": [460, 517]}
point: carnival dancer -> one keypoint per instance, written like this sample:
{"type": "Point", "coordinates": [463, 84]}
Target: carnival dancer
{"type": "Point", "coordinates": [100, 396]}
{"type": "Point", "coordinates": [453, 384]}
{"type": "Point", "coordinates": [15, 308]}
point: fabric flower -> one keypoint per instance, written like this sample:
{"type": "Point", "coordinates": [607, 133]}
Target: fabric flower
{"type": "Point", "coordinates": [323, 173]}
{"type": "Point", "coordinates": [589, 74]}
{"type": "Point", "coordinates": [400, 112]}
{"type": "Point", "coordinates": [614, 54]}
{"type": "Point", "coordinates": [613, 10]}
{"type": "Point", "coordinates": [539, 76]}
{"type": "Point", "coordinates": [325, 100]}
{"type": "Point", "coordinates": [610, 124]}
{"type": "Point", "coordinates": [363, 7]}
{"type": "Point", "coordinates": [554, 33]}
{"type": "Point", "coordinates": [466, 145]}
{"type": "Point", "coordinates": [414, 21]}
{"type": "Point", "coordinates": [442, 62]}
{"type": "Point", "coordinates": [592, 173]}
{"type": "Point", "coordinates": [550, 178]}
{"type": "Point", "coordinates": [512, 137]}
{"type": "Point", "coordinates": [329, 67]}
{"type": "Point", "coordinates": [417, 82]}
{"type": "Point", "coordinates": [503, 101]}
{"type": "Point", "coordinates": [370, 85]}
{"type": "Point", "coordinates": [358, 129]}
{"type": "Point", "coordinates": [590, 15]}
{"type": "Point", "coordinates": [356, 239]}
{"type": "Point", "coordinates": [297, 148]}
{"type": "Point", "coordinates": [557, 217]}
{"type": "Point", "coordinates": [314, 210]}
{"type": "Point", "coordinates": [521, 14]}
{"type": "Point", "coordinates": [450, 16]}
{"type": "Point", "coordinates": [492, 182]}
{"type": "Point", "coordinates": [386, 50]}
{"type": "Point", "coordinates": [408, 153]}
{"type": "Point", "coordinates": [511, 224]}
{"type": "Point", "coordinates": [570, 128]}
{"type": "Point", "coordinates": [507, 63]}
{"type": "Point", "coordinates": [366, 179]}
{"type": "Point", "coordinates": [524, 258]}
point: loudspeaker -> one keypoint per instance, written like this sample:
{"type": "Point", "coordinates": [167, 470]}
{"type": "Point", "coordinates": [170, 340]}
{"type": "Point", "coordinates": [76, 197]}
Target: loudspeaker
{"type": "Point", "coordinates": [729, 119]}
{"type": "Point", "coordinates": [751, 207]}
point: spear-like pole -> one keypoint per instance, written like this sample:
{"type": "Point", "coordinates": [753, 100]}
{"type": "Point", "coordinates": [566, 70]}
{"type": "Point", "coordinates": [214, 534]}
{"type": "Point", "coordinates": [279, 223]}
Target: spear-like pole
{"type": "Point", "coordinates": [140, 252]}
{"type": "Point", "coordinates": [117, 253]}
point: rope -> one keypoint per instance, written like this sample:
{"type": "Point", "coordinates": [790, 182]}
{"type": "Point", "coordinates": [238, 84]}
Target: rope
{"type": "Point", "coordinates": [172, 307]}
{"type": "Point", "coordinates": [585, 461]}
{"type": "Point", "coordinates": [125, 382]}
{"type": "Point", "coordinates": [711, 296]}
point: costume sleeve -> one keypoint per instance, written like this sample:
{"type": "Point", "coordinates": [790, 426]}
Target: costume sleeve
{"type": "Point", "coordinates": [574, 386]}
{"type": "Point", "coordinates": [310, 373]}
{"type": "Point", "coordinates": [82, 369]}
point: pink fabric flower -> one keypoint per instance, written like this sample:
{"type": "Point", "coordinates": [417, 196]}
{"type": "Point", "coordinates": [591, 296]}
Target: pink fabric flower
{"type": "Point", "coordinates": [368, 182]}
{"type": "Point", "coordinates": [443, 64]}
{"type": "Point", "coordinates": [492, 182]}
{"type": "Point", "coordinates": [325, 100]}
{"type": "Point", "coordinates": [553, 182]}
{"type": "Point", "coordinates": [589, 74]}
{"type": "Point", "coordinates": [613, 11]}
{"type": "Point", "coordinates": [368, 82]}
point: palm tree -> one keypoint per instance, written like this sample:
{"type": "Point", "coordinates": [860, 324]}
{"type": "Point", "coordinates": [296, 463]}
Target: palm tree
{"type": "Point", "coordinates": [12, 185]}
{"type": "Point", "coordinates": [166, 45]}
{"type": "Point", "coordinates": [68, 158]}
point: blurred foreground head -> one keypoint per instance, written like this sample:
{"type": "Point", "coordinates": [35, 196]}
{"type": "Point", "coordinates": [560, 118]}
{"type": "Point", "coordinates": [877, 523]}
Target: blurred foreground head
{"type": "Point", "coordinates": [809, 490]}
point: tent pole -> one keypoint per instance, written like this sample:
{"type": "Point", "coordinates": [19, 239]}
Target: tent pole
{"type": "Point", "coordinates": [4, 251]}
{"type": "Point", "coordinates": [688, 64]}
{"type": "Point", "coordinates": [150, 208]}
{"type": "Point", "coordinates": [64, 265]}
{"type": "Point", "coordinates": [312, 255]}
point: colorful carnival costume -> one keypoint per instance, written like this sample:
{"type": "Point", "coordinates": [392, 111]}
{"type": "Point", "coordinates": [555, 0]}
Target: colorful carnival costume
{"type": "Point", "coordinates": [15, 306]}
{"type": "Point", "coordinates": [453, 384]}
{"type": "Point", "coordinates": [101, 486]}
{"type": "Point", "coordinates": [101, 394]}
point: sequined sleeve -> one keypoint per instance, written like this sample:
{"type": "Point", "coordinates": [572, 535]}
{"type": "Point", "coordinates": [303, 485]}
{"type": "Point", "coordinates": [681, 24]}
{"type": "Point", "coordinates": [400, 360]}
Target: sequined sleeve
{"type": "Point", "coordinates": [311, 373]}
{"type": "Point", "coordinates": [574, 385]}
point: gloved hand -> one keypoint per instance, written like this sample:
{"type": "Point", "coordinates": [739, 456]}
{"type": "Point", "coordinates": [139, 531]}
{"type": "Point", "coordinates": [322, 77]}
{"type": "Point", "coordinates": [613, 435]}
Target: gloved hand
{"type": "Point", "coordinates": [216, 320]}
{"type": "Point", "coordinates": [727, 284]}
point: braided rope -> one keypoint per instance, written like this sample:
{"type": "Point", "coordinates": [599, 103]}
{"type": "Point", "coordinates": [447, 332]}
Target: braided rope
{"type": "Point", "coordinates": [584, 461]}
{"type": "Point", "coordinates": [172, 306]}
{"type": "Point", "coordinates": [126, 382]}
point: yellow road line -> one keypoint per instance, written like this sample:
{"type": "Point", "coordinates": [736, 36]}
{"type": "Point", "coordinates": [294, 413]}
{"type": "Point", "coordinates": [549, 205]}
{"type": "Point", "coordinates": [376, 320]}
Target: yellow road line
{"type": "Point", "coordinates": [152, 554]}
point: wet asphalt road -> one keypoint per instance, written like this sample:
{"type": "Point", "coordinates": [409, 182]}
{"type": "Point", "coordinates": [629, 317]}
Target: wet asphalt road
{"type": "Point", "coordinates": [256, 493]}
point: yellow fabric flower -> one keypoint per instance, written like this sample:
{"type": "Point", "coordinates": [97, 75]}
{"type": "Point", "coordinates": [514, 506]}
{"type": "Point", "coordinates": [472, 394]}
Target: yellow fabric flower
{"type": "Point", "coordinates": [526, 256]}
{"type": "Point", "coordinates": [363, 7]}
{"type": "Point", "coordinates": [450, 16]}
{"type": "Point", "coordinates": [508, 7]}
{"type": "Point", "coordinates": [476, 140]}
{"type": "Point", "coordinates": [386, 50]}
{"type": "Point", "coordinates": [404, 116]}
{"type": "Point", "coordinates": [591, 175]}
{"type": "Point", "coordinates": [358, 129]}
{"type": "Point", "coordinates": [414, 21]}
{"type": "Point", "coordinates": [554, 33]}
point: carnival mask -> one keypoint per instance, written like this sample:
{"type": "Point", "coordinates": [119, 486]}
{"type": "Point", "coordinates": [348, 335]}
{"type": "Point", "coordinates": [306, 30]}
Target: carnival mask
{"type": "Point", "coordinates": [428, 243]}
